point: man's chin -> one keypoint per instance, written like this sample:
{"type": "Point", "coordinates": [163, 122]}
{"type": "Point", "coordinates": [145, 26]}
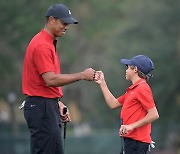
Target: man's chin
{"type": "Point", "coordinates": [61, 34]}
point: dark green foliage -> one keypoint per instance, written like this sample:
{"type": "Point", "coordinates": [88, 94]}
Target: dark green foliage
{"type": "Point", "coordinates": [107, 31]}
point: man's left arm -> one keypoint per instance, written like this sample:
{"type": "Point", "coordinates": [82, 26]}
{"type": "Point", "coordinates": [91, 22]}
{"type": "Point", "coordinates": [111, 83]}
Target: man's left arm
{"type": "Point", "coordinates": [64, 117]}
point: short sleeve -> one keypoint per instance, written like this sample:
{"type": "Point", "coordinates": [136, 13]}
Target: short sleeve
{"type": "Point", "coordinates": [121, 98]}
{"type": "Point", "coordinates": [145, 96]}
{"type": "Point", "coordinates": [43, 59]}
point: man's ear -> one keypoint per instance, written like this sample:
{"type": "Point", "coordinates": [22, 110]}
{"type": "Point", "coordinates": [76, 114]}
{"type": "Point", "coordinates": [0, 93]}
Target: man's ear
{"type": "Point", "coordinates": [51, 20]}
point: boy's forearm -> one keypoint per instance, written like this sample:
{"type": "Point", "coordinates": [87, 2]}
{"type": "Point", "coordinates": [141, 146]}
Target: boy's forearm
{"type": "Point", "coordinates": [109, 98]}
{"type": "Point", "coordinates": [149, 118]}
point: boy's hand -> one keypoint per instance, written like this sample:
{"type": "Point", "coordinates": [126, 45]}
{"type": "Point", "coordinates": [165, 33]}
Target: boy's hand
{"type": "Point", "coordinates": [125, 129]}
{"type": "Point", "coordinates": [99, 77]}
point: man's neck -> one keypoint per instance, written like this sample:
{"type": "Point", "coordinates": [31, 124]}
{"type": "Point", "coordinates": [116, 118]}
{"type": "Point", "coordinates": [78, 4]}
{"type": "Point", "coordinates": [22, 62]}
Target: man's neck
{"type": "Point", "coordinates": [47, 29]}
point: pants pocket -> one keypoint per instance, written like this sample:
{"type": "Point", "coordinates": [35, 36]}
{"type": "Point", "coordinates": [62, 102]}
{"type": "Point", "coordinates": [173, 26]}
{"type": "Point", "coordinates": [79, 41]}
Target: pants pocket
{"type": "Point", "coordinates": [33, 111]}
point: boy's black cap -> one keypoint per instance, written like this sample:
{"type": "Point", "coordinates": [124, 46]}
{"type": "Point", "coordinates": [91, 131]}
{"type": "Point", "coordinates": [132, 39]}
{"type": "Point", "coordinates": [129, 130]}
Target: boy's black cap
{"type": "Point", "coordinates": [143, 63]}
{"type": "Point", "coordinates": [62, 12]}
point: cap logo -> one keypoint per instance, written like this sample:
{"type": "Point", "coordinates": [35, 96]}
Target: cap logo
{"type": "Point", "coordinates": [69, 12]}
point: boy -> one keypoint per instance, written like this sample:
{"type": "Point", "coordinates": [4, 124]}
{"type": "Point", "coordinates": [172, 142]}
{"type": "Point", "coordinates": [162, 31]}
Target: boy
{"type": "Point", "coordinates": [138, 107]}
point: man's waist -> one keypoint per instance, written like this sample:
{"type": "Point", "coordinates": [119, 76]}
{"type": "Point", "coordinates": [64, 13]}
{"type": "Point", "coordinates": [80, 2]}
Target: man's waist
{"type": "Point", "coordinates": [37, 99]}
{"type": "Point", "coordinates": [46, 92]}
{"type": "Point", "coordinates": [41, 97]}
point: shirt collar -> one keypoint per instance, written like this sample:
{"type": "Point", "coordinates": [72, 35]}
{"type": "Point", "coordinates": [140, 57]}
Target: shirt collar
{"type": "Point", "coordinates": [137, 83]}
{"type": "Point", "coordinates": [47, 35]}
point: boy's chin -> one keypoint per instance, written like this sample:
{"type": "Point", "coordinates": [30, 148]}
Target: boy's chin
{"type": "Point", "coordinates": [128, 79]}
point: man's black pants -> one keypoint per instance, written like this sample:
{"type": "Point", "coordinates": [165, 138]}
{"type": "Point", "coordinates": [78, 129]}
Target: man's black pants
{"type": "Point", "coordinates": [43, 120]}
{"type": "Point", "coordinates": [135, 147]}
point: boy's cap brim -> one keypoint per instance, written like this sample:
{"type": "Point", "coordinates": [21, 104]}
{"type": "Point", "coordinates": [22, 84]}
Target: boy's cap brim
{"type": "Point", "coordinates": [126, 61]}
{"type": "Point", "coordinates": [143, 63]}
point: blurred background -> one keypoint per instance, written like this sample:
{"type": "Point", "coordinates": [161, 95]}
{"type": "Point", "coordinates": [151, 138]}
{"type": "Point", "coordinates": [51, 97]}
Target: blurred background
{"type": "Point", "coordinates": [107, 31]}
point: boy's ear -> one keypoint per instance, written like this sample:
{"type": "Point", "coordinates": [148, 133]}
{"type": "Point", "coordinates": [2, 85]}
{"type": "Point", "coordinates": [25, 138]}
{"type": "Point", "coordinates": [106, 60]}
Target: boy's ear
{"type": "Point", "coordinates": [135, 69]}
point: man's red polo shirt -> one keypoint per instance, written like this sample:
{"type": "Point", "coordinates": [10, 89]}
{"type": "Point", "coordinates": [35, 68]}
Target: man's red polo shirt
{"type": "Point", "coordinates": [135, 103]}
{"type": "Point", "coordinates": [40, 57]}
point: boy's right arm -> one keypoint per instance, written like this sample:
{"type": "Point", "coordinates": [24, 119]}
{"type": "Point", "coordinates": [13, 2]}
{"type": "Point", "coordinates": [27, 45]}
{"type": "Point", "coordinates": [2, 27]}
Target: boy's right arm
{"type": "Point", "coordinates": [109, 98]}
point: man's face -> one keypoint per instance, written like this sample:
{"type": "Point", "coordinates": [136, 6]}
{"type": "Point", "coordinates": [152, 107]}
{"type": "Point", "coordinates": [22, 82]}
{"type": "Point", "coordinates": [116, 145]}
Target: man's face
{"type": "Point", "coordinates": [58, 28]}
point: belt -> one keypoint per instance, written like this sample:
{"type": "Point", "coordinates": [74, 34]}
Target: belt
{"type": "Point", "coordinates": [29, 97]}
{"type": "Point", "coordinates": [40, 97]}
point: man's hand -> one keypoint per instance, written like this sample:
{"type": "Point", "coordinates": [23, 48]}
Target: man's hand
{"type": "Point", "coordinates": [64, 117]}
{"type": "Point", "coordinates": [88, 74]}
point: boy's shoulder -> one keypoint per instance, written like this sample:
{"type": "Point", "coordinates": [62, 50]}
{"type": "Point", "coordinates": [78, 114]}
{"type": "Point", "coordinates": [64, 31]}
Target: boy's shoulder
{"type": "Point", "coordinates": [140, 83]}
{"type": "Point", "coordinates": [144, 86]}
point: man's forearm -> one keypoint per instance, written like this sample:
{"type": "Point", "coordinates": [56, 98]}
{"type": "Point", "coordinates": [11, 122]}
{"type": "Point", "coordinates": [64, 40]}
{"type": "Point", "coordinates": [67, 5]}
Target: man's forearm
{"type": "Point", "coordinates": [54, 80]}
{"type": "Point", "coordinates": [63, 79]}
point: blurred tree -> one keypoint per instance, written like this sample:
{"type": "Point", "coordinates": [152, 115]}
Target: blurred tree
{"type": "Point", "coordinates": [107, 31]}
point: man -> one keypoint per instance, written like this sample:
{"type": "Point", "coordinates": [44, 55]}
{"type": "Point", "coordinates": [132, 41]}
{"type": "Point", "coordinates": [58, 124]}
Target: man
{"type": "Point", "coordinates": [138, 107]}
{"type": "Point", "coordinates": [42, 81]}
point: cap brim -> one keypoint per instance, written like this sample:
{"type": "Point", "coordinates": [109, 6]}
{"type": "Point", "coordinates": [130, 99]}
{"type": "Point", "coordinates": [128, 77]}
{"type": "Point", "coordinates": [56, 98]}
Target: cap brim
{"type": "Point", "coordinates": [126, 61]}
{"type": "Point", "coordinates": [69, 20]}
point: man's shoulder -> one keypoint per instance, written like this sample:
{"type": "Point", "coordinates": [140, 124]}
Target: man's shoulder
{"type": "Point", "coordinates": [40, 42]}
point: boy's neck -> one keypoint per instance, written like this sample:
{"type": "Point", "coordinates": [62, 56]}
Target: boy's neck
{"type": "Point", "coordinates": [135, 79]}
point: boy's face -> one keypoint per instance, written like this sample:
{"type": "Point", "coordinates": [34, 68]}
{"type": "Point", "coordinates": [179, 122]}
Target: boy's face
{"type": "Point", "coordinates": [131, 72]}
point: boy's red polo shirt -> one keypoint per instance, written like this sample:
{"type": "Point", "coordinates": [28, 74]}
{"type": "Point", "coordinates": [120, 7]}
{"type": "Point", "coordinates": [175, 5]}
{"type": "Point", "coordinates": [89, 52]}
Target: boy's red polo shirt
{"type": "Point", "coordinates": [40, 57]}
{"type": "Point", "coordinates": [135, 103]}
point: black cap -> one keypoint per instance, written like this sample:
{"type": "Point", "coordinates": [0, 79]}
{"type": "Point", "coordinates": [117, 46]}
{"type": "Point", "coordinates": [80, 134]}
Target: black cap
{"type": "Point", "coordinates": [62, 12]}
{"type": "Point", "coordinates": [143, 63]}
